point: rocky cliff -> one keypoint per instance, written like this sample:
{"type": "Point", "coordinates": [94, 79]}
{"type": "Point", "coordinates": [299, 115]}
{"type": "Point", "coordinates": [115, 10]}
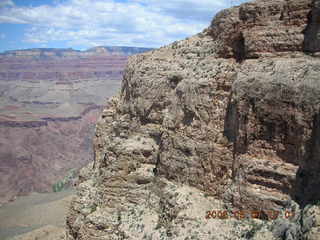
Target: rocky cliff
{"type": "Point", "coordinates": [213, 137]}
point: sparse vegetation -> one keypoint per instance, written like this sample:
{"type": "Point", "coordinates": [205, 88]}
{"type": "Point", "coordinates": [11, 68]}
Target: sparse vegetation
{"type": "Point", "coordinates": [317, 202]}
{"type": "Point", "coordinates": [58, 186]}
{"type": "Point", "coordinates": [65, 183]}
{"type": "Point", "coordinates": [255, 227]}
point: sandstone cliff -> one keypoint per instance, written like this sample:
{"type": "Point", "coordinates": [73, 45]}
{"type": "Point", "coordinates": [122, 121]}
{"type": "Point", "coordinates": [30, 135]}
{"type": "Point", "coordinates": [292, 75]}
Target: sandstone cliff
{"type": "Point", "coordinates": [224, 120]}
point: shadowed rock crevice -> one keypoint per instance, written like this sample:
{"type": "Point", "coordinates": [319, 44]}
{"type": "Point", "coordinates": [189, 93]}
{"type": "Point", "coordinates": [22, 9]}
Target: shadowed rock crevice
{"type": "Point", "coordinates": [174, 79]}
{"type": "Point", "coordinates": [158, 139]}
{"type": "Point", "coordinates": [311, 42]}
{"type": "Point", "coordinates": [308, 176]}
{"type": "Point", "coordinates": [239, 49]}
{"type": "Point", "coordinates": [231, 124]}
{"type": "Point", "coordinates": [188, 117]}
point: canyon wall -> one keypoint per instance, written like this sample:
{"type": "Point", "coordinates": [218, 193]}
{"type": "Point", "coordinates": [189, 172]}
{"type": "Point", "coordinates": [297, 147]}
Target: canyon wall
{"type": "Point", "coordinates": [49, 103]}
{"type": "Point", "coordinates": [225, 120]}
{"type": "Point", "coordinates": [35, 155]}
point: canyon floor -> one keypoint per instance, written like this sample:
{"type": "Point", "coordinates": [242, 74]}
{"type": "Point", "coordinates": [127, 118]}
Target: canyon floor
{"type": "Point", "coordinates": [37, 216]}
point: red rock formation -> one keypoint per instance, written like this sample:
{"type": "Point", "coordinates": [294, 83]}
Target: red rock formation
{"type": "Point", "coordinates": [49, 104]}
{"type": "Point", "coordinates": [34, 155]}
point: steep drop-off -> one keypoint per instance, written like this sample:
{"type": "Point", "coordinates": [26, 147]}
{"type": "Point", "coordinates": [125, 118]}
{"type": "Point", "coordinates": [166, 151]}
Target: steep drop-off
{"type": "Point", "coordinates": [49, 103]}
{"type": "Point", "coordinates": [226, 120]}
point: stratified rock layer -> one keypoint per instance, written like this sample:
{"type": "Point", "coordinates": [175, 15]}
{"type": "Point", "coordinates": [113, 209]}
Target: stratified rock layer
{"type": "Point", "coordinates": [50, 100]}
{"type": "Point", "coordinates": [230, 114]}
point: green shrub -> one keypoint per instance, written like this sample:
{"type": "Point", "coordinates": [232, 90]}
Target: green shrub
{"type": "Point", "coordinates": [58, 186]}
{"type": "Point", "coordinates": [66, 182]}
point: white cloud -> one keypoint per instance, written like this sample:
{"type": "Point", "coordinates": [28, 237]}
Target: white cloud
{"type": "Point", "coordinates": [187, 9]}
{"type": "Point", "coordinates": [6, 3]}
{"type": "Point", "coordinates": [8, 19]}
{"type": "Point", "coordinates": [108, 22]}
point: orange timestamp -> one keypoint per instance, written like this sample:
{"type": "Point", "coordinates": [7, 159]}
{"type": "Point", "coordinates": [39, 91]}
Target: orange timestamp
{"type": "Point", "coordinates": [245, 214]}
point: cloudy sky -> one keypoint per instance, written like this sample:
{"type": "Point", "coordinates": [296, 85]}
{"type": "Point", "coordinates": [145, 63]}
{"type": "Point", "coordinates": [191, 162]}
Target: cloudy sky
{"type": "Point", "coordinates": [82, 24]}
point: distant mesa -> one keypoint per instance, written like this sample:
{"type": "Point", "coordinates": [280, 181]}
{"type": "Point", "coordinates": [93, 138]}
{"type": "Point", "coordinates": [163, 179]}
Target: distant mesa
{"type": "Point", "coordinates": [70, 52]}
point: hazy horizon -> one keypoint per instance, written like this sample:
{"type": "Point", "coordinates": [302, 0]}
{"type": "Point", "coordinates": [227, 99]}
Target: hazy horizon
{"type": "Point", "coordinates": [83, 24]}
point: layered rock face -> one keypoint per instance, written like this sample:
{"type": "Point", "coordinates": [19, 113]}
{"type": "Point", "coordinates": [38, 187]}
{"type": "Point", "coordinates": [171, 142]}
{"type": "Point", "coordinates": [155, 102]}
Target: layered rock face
{"type": "Point", "coordinates": [35, 155]}
{"type": "Point", "coordinates": [226, 119]}
{"type": "Point", "coordinates": [49, 103]}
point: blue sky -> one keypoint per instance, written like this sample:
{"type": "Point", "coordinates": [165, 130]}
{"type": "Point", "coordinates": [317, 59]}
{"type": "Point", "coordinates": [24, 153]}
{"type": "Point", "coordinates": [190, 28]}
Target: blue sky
{"type": "Point", "coordinates": [82, 24]}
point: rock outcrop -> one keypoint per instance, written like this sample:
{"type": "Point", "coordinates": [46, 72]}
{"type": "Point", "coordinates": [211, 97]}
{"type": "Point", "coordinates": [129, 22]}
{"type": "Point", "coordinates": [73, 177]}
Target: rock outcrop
{"type": "Point", "coordinates": [226, 120]}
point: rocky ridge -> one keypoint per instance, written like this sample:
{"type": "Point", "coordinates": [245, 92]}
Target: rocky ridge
{"type": "Point", "coordinates": [45, 53]}
{"type": "Point", "coordinates": [225, 120]}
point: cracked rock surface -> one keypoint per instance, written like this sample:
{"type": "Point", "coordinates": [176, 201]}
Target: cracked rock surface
{"type": "Point", "coordinates": [225, 120]}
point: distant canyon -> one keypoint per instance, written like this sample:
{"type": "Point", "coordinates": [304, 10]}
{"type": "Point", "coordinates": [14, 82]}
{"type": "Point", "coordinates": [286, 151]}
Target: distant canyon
{"type": "Point", "coordinates": [50, 100]}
